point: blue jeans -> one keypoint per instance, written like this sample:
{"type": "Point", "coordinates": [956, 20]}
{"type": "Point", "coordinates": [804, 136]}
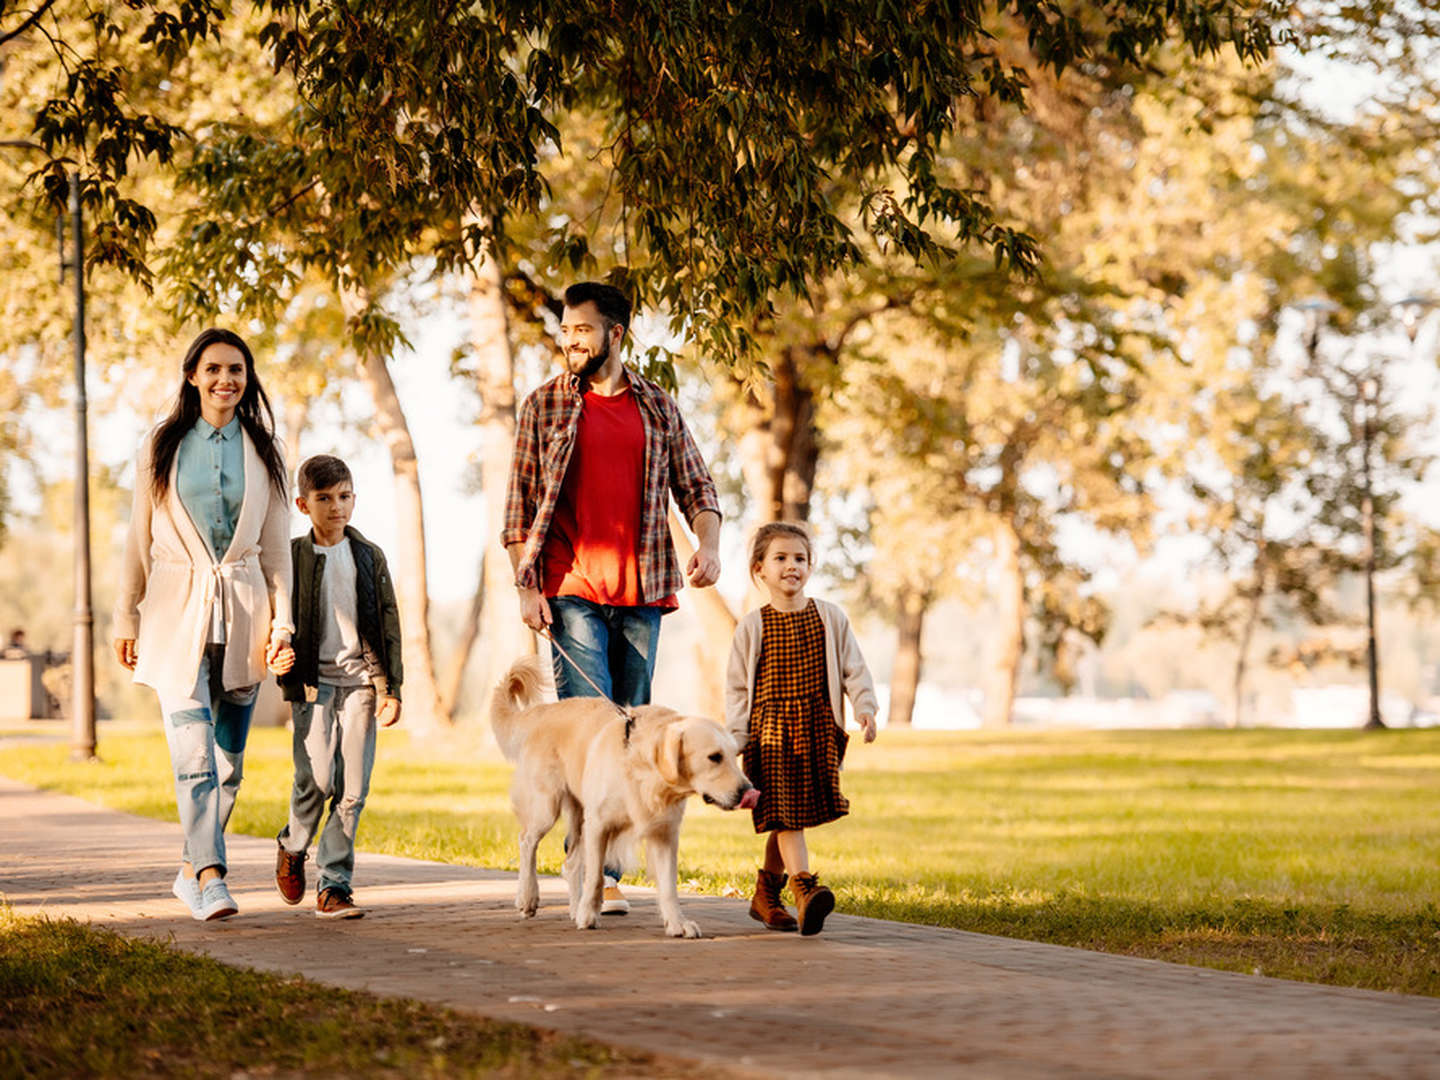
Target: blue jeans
{"type": "Point", "coordinates": [333, 744]}
{"type": "Point", "coordinates": [206, 732]}
{"type": "Point", "coordinates": [614, 645]}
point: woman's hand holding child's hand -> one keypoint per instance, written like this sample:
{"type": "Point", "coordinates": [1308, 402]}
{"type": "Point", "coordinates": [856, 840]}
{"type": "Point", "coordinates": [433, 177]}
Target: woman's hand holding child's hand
{"type": "Point", "coordinates": [279, 657]}
{"type": "Point", "coordinates": [868, 723]}
{"type": "Point", "coordinates": [389, 711]}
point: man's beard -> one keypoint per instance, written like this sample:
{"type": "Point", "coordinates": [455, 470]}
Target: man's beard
{"type": "Point", "coordinates": [596, 362]}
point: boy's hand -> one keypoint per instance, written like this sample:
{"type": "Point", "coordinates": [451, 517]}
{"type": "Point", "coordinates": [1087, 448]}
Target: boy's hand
{"type": "Point", "coordinates": [125, 652]}
{"type": "Point", "coordinates": [868, 723]}
{"type": "Point", "coordinates": [389, 711]}
{"type": "Point", "coordinates": [279, 657]}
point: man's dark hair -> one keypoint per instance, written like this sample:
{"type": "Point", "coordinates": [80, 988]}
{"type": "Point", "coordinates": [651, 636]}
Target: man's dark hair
{"type": "Point", "coordinates": [323, 471]}
{"type": "Point", "coordinates": [612, 304]}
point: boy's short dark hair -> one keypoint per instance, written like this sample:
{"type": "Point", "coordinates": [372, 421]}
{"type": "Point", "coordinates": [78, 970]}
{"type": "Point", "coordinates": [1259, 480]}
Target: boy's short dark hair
{"type": "Point", "coordinates": [612, 304]}
{"type": "Point", "coordinates": [323, 471]}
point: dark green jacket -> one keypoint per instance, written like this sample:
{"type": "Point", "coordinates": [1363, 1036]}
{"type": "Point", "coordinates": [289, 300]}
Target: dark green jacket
{"type": "Point", "coordinates": [377, 615]}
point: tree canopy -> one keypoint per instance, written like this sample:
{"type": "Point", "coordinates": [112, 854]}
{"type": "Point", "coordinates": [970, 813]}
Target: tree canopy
{"type": "Point", "coordinates": [418, 128]}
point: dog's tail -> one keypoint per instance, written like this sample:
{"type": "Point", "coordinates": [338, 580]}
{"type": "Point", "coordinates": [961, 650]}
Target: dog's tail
{"type": "Point", "coordinates": [519, 689]}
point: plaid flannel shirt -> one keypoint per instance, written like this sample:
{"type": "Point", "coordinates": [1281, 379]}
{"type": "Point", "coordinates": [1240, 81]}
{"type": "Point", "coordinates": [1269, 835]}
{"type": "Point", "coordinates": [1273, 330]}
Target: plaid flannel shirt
{"type": "Point", "coordinates": [544, 441]}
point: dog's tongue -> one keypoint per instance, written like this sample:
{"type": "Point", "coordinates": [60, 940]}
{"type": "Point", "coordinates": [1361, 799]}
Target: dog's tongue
{"type": "Point", "coordinates": [749, 799]}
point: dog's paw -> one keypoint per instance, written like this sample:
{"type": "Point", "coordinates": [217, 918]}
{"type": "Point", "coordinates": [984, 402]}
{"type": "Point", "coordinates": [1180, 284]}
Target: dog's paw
{"type": "Point", "coordinates": [684, 928]}
{"type": "Point", "coordinates": [527, 905]}
{"type": "Point", "coordinates": [586, 920]}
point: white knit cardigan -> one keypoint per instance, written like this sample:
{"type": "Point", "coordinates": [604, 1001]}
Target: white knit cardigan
{"type": "Point", "coordinates": [845, 670]}
{"type": "Point", "coordinates": [169, 580]}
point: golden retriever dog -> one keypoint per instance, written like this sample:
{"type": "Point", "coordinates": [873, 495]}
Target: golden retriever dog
{"type": "Point", "coordinates": [620, 779]}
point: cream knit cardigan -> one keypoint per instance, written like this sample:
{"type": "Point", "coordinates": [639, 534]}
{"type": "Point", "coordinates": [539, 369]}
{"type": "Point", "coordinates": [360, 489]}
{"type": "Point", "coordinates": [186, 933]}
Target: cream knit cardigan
{"type": "Point", "coordinates": [845, 670]}
{"type": "Point", "coordinates": [168, 580]}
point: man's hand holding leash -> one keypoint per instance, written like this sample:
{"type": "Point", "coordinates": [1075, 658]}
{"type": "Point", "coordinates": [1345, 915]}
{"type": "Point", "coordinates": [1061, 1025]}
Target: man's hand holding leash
{"type": "Point", "coordinates": [534, 609]}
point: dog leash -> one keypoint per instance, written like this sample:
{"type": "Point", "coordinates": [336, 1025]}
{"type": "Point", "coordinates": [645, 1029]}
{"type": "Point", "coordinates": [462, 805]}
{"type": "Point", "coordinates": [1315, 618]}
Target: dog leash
{"type": "Point", "coordinates": [624, 712]}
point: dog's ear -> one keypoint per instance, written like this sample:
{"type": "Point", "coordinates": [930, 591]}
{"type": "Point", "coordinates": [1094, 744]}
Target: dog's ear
{"type": "Point", "coordinates": [670, 754]}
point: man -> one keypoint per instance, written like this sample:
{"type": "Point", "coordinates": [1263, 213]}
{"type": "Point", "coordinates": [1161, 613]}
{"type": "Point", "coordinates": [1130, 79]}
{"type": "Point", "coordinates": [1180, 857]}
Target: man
{"type": "Point", "coordinates": [598, 450]}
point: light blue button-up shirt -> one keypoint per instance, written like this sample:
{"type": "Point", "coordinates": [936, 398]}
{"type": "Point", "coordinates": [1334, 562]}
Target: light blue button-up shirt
{"type": "Point", "coordinates": [210, 479]}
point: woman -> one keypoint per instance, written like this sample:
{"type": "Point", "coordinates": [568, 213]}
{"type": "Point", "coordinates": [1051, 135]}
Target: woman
{"type": "Point", "coordinates": [204, 601]}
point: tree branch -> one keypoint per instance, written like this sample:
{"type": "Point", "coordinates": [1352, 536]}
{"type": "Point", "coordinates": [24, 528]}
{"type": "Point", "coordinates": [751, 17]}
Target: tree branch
{"type": "Point", "coordinates": [532, 292]}
{"type": "Point", "coordinates": [290, 201]}
{"type": "Point", "coordinates": [836, 341]}
{"type": "Point", "coordinates": [22, 144]}
{"type": "Point", "coordinates": [28, 23]}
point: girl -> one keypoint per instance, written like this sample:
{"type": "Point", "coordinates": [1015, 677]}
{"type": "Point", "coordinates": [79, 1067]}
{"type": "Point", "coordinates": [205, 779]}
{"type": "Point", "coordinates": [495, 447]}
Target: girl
{"type": "Point", "coordinates": [204, 599]}
{"type": "Point", "coordinates": [791, 664]}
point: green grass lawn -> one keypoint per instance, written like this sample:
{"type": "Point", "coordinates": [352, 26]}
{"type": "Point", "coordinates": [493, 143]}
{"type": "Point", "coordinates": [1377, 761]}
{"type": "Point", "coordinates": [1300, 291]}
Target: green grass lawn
{"type": "Point", "coordinates": [79, 1001]}
{"type": "Point", "coordinates": [1308, 855]}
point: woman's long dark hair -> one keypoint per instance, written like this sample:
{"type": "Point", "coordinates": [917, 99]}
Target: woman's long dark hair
{"type": "Point", "coordinates": [254, 411]}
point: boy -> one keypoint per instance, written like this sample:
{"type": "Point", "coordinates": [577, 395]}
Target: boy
{"type": "Point", "coordinates": [347, 658]}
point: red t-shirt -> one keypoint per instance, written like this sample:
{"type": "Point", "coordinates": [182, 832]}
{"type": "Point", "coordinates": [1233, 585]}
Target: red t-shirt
{"type": "Point", "coordinates": [592, 548]}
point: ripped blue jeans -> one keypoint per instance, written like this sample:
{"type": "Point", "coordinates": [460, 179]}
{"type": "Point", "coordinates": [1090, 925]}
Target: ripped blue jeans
{"type": "Point", "coordinates": [206, 731]}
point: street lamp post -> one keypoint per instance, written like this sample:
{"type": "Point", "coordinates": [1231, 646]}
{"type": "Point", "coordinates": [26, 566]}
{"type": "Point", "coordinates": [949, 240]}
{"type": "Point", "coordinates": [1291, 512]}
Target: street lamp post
{"type": "Point", "coordinates": [82, 653]}
{"type": "Point", "coordinates": [82, 648]}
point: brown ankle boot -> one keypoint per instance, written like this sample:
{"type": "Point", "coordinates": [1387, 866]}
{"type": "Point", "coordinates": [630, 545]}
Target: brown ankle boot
{"type": "Point", "coordinates": [813, 902]}
{"type": "Point", "coordinates": [765, 905]}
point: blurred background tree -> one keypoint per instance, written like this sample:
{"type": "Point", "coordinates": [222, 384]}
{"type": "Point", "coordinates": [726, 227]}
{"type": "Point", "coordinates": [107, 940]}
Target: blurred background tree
{"type": "Point", "coordinates": [981, 294]}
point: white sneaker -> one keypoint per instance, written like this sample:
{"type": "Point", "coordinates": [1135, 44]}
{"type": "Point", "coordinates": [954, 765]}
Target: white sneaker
{"type": "Point", "coordinates": [614, 902]}
{"type": "Point", "coordinates": [187, 891]}
{"type": "Point", "coordinates": [215, 902]}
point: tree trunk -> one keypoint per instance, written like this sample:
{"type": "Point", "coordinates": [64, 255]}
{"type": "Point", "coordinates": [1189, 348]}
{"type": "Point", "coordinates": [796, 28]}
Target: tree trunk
{"type": "Point", "coordinates": [780, 451]}
{"type": "Point", "coordinates": [501, 633]}
{"type": "Point", "coordinates": [1367, 518]}
{"type": "Point", "coordinates": [453, 681]}
{"type": "Point", "coordinates": [717, 628]}
{"type": "Point", "coordinates": [422, 699]}
{"type": "Point", "coordinates": [297, 413]}
{"type": "Point", "coordinates": [797, 448]}
{"type": "Point", "coordinates": [1242, 658]}
{"type": "Point", "coordinates": [1010, 628]}
{"type": "Point", "coordinates": [905, 676]}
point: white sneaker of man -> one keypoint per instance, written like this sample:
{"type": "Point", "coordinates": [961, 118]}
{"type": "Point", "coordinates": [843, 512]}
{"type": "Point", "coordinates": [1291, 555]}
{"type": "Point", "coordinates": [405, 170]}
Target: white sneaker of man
{"type": "Point", "coordinates": [614, 901]}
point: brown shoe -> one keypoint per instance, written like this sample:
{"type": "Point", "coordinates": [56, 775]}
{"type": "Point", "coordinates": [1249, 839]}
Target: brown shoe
{"type": "Point", "coordinates": [335, 904]}
{"type": "Point", "coordinates": [765, 905]}
{"type": "Point", "coordinates": [289, 875]}
{"type": "Point", "coordinates": [813, 902]}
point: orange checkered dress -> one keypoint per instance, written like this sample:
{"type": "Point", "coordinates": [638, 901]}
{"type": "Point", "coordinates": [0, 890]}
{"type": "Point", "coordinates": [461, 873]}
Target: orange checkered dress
{"type": "Point", "coordinates": [795, 748]}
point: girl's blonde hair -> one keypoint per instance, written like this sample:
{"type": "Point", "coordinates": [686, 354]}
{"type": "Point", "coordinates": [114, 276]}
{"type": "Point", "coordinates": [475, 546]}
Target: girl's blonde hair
{"type": "Point", "coordinates": [770, 531]}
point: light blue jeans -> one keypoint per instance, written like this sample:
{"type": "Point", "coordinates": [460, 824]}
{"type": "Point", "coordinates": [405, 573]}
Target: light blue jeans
{"type": "Point", "coordinates": [206, 732]}
{"type": "Point", "coordinates": [334, 750]}
{"type": "Point", "coordinates": [614, 645]}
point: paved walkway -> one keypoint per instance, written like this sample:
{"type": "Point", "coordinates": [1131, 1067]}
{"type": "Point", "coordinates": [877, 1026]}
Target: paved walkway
{"type": "Point", "coordinates": [865, 998]}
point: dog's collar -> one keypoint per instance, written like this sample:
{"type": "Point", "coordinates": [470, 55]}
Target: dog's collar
{"type": "Point", "coordinates": [629, 724]}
